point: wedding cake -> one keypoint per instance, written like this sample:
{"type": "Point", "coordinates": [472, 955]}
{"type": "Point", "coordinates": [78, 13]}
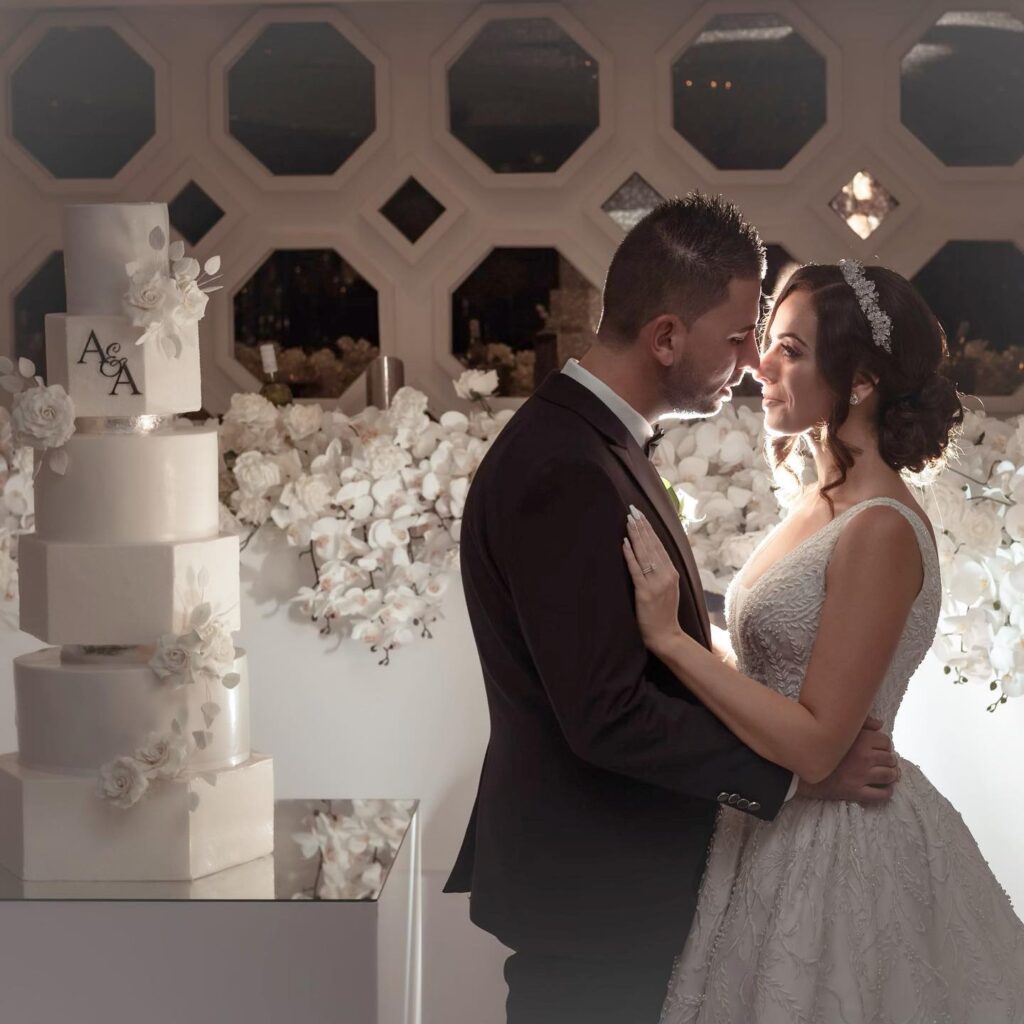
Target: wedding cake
{"type": "Point", "coordinates": [134, 760]}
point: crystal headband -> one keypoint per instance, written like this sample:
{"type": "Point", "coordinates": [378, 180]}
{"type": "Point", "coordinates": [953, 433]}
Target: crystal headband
{"type": "Point", "coordinates": [867, 299]}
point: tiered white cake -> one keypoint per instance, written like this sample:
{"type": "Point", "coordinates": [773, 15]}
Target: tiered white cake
{"type": "Point", "coordinates": [126, 544]}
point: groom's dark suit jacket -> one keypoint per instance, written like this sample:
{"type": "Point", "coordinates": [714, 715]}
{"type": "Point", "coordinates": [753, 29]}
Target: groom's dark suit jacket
{"type": "Point", "coordinates": [602, 775]}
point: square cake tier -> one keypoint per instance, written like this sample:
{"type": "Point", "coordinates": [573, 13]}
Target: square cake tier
{"type": "Point", "coordinates": [98, 363]}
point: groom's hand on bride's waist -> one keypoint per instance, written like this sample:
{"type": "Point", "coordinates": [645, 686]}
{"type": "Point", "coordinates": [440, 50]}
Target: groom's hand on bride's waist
{"type": "Point", "coordinates": [867, 774]}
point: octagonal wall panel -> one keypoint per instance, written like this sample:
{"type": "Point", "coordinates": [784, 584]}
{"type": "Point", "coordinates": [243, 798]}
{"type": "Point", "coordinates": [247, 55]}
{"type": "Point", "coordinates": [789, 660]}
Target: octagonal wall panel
{"type": "Point", "coordinates": [748, 97]}
{"type": "Point", "coordinates": [245, 252]}
{"type": "Point", "coordinates": [299, 98]}
{"type": "Point", "coordinates": [974, 288]}
{"type": "Point", "coordinates": [87, 102]}
{"type": "Point", "coordinates": [520, 309]}
{"type": "Point", "coordinates": [962, 88]}
{"type": "Point", "coordinates": [320, 313]}
{"type": "Point", "coordinates": [521, 95]}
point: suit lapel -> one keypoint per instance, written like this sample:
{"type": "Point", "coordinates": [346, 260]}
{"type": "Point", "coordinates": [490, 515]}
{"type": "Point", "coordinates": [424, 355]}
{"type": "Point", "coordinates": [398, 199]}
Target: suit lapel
{"type": "Point", "coordinates": [563, 390]}
{"type": "Point", "coordinates": [644, 473]}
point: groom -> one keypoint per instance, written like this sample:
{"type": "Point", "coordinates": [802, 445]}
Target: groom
{"type": "Point", "coordinates": [603, 775]}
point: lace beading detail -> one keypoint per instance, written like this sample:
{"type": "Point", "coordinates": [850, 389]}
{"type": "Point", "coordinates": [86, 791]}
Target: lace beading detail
{"type": "Point", "coordinates": [836, 913]}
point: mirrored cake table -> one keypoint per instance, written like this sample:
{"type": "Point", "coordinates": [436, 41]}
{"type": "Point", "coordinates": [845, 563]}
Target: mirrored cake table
{"type": "Point", "coordinates": [326, 929]}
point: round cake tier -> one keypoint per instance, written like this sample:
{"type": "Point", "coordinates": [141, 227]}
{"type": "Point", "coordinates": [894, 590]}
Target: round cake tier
{"type": "Point", "coordinates": [99, 240]}
{"type": "Point", "coordinates": [132, 489]}
{"type": "Point", "coordinates": [74, 717]}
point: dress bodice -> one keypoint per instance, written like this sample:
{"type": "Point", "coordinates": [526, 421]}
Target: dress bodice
{"type": "Point", "coordinates": [773, 623]}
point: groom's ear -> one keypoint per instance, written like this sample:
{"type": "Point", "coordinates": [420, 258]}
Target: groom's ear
{"type": "Point", "coordinates": [665, 336]}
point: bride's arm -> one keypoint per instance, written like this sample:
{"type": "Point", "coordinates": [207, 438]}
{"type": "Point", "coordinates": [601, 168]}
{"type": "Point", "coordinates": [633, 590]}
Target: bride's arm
{"type": "Point", "coordinates": [872, 580]}
{"type": "Point", "coordinates": [722, 646]}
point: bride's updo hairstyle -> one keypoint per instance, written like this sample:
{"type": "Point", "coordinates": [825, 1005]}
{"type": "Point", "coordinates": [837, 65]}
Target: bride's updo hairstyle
{"type": "Point", "coordinates": [919, 410]}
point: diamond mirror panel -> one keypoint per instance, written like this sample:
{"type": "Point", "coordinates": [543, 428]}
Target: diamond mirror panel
{"type": "Point", "coordinates": [749, 92]}
{"type": "Point", "coordinates": [962, 89]}
{"type": "Point", "coordinates": [301, 98]}
{"type": "Point", "coordinates": [523, 312]}
{"type": "Point", "coordinates": [193, 213]}
{"type": "Point", "coordinates": [631, 202]}
{"type": "Point", "coordinates": [83, 102]}
{"type": "Point", "coordinates": [863, 203]}
{"type": "Point", "coordinates": [412, 210]}
{"type": "Point", "coordinates": [523, 96]}
{"type": "Point", "coordinates": [318, 310]}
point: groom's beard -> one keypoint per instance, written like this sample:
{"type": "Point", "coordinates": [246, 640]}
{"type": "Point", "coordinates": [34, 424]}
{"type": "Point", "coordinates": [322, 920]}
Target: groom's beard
{"type": "Point", "coordinates": [686, 391]}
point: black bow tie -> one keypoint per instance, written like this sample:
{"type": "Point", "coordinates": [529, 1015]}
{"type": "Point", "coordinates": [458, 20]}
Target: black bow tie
{"type": "Point", "coordinates": [652, 442]}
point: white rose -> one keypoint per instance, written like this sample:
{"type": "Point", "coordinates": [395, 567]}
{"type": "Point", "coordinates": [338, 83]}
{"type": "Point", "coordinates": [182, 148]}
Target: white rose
{"type": "Point", "coordinates": [947, 504]}
{"type": "Point", "coordinates": [256, 474]}
{"type": "Point", "coordinates": [44, 417]}
{"type": "Point", "coordinates": [1013, 521]}
{"type": "Point", "coordinates": [162, 755]}
{"type": "Point", "coordinates": [981, 529]}
{"type": "Point", "coordinates": [19, 495]}
{"type": "Point", "coordinates": [311, 494]}
{"type": "Point", "coordinates": [735, 551]}
{"type": "Point", "coordinates": [122, 782]}
{"type": "Point", "coordinates": [302, 421]}
{"type": "Point", "coordinates": [251, 422]}
{"type": "Point", "coordinates": [408, 408]}
{"type": "Point", "coordinates": [185, 270]}
{"type": "Point", "coordinates": [172, 660]}
{"type": "Point", "coordinates": [147, 290]}
{"type": "Point", "coordinates": [255, 511]}
{"type": "Point", "coordinates": [476, 384]}
{"type": "Point", "coordinates": [384, 458]}
{"type": "Point", "coordinates": [191, 305]}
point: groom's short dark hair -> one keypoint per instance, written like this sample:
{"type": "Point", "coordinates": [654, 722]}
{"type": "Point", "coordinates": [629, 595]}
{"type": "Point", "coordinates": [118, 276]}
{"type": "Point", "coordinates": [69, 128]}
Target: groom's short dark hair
{"type": "Point", "coordinates": [678, 259]}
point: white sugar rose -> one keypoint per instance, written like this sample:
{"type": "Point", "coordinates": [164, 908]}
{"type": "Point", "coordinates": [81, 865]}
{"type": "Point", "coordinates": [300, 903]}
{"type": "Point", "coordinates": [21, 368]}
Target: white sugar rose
{"type": "Point", "coordinates": [256, 474]}
{"type": "Point", "coordinates": [191, 305]}
{"type": "Point", "coordinates": [185, 270]}
{"type": "Point", "coordinates": [162, 755]}
{"type": "Point", "coordinates": [302, 421]}
{"type": "Point", "coordinates": [44, 417]}
{"type": "Point", "coordinates": [122, 782]}
{"type": "Point", "coordinates": [147, 290]}
{"type": "Point", "coordinates": [172, 660]}
{"type": "Point", "coordinates": [477, 384]}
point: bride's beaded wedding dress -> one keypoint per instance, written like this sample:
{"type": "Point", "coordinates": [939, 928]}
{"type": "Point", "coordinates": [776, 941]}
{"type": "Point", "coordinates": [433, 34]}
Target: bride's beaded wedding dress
{"type": "Point", "coordinates": [837, 913]}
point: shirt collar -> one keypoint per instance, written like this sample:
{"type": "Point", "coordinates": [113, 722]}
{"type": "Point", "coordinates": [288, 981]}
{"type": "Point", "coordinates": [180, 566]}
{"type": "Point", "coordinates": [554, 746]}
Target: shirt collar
{"type": "Point", "coordinates": [636, 424]}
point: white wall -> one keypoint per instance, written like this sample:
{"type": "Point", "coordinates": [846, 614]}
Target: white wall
{"type": "Point", "coordinates": [338, 725]}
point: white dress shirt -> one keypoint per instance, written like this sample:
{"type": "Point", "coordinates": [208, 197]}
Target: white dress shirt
{"type": "Point", "coordinates": [636, 424]}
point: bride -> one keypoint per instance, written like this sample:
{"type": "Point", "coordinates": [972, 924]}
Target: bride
{"type": "Point", "coordinates": [836, 912]}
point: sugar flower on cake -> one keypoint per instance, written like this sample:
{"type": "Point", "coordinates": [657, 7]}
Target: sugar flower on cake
{"type": "Point", "coordinates": [203, 654]}
{"type": "Point", "coordinates": [42, 417]}
{"type": "Point", "coordinates": [122, 782]}
{"type": "Point", "coordinates": [162, 755]}
{"type": "Point", "coordinates": [166, 303]}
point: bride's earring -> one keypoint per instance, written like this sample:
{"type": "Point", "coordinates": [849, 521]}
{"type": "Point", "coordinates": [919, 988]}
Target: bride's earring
{"type": "Point", "coordinates": [854, 400]}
